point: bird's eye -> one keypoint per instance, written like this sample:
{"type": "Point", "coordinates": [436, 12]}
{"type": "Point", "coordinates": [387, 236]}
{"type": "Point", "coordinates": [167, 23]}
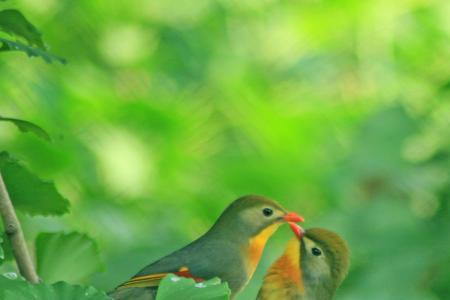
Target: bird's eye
{"type": "Point", "coordinates": [267, 212]}
{"type": "Point", "coordinates": [316, 251]}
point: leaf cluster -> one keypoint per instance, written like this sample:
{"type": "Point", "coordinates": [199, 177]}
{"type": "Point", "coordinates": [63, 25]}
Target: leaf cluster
{"type": "Point", "coordinates": [70, 257]}
{"type": "Point", "coordinates": [19, 34]}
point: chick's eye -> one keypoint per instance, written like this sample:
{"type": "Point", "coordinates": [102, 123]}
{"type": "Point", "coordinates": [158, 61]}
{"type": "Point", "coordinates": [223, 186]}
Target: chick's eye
{"type": "Point", "coordinates": [267, 212]}
{"type": "Point", "coordinates": [316, 251]}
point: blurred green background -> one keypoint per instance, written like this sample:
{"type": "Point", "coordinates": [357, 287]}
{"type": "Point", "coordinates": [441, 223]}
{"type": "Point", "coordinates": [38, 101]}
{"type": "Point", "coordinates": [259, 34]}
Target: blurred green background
{"type": "Point", "coordinates": [168, 110]}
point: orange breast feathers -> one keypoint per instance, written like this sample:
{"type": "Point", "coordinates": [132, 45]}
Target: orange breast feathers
{"type": "Point", "coordinates": [285, 274]}
{"type": "Point", "coordinates": [256, 246]}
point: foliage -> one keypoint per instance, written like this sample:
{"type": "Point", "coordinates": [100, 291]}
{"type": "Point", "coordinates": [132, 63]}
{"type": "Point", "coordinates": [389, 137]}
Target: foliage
{"type": "Point", "coordinates": [169, 110]}
{"type": "Point", "coordinates": [14, 23]}
{"type": "Point", "coordinates": [71, 257]}
{"type": "Point", "coordinates": [26, 126]}
{"type": "Point", "coordinates": [5, 247]}
{"type": "Point", "coordinates": [8, 45]}
{"type": "Point", "coordinates": [18, 289]}
{"type": "Point", "coordinates": [2, 253]}
{"type": "Point", "coordinates": [39, 197]}
{"type": "Point", "coordinates": [174, 287]}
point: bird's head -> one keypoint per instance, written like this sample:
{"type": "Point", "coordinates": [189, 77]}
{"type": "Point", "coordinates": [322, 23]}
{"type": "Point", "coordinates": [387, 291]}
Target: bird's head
{"type": "Point", "coordinates": [324, 257]}
{"type": "Point", "coordinates": [250, 215]}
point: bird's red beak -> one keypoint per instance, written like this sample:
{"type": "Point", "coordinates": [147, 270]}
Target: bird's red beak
{"type": "Point", "coordinates": [298, 231]}
{"type": "Point", "coordinates": [293, 217]}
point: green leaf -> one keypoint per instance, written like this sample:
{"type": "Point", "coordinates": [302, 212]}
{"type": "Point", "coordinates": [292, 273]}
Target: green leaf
{"type": "Point", "coordinates": [9, 45]}
{"type": "Point", "coordinates": [18, 289]}
{"type": "Point", "coordinates": [5, 246]}
{"type": "Point", "coordinates": [10, 281]}
{"type": "Point", "coordinates": [174, 287]}
{"type": "Point", "coordinates": [14, 23]}
{"type": "Point", "coordinates": [71, 257]}
{"type": "Point", "coordinates": [29, 193]}
{"type": "Point", "coordinates": [2, 254]}
{"type": "Point", "coordinates": [26, 126]}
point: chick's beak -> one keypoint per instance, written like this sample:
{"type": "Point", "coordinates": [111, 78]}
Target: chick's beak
{"type": "Point", "coordinates": [298, 231]}
{"type": "Point", "coordinates": [293, 217]}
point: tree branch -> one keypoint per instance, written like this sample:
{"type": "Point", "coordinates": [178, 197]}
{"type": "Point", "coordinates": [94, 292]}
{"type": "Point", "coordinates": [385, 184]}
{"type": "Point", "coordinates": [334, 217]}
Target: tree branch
{"type": "Point", "coordinates": [15, 234]}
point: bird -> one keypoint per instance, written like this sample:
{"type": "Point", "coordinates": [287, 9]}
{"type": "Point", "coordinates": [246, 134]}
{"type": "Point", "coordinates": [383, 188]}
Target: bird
{"type": "Point", "coordinates": [230, 249]}
{"type": "Point", "coordinates": [312, 267]}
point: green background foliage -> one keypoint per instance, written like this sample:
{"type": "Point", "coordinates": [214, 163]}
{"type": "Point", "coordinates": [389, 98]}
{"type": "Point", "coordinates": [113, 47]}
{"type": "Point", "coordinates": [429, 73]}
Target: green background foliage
{"type": "Point", "coordinates": [169, 110]}
{"type": "Point", "coordinates": [71, 257]}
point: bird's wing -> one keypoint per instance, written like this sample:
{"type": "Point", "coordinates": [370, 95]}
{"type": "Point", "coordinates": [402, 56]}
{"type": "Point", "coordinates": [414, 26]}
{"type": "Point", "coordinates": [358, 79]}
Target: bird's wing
{"type": "Point", "coordinates": [153, 280]}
